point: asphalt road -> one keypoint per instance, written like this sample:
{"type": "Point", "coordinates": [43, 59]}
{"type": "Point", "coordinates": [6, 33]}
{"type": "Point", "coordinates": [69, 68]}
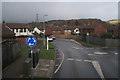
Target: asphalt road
{"type": "Point", "coordinates": [77, 61]}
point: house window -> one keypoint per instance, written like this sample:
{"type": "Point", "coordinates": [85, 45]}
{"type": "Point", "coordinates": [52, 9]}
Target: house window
{"type": "Point", "coordinates": [53, 31]}
{"type": "Point", "coordinates": [16, 30]}
{"type": "Point", "coordinates": [69, 30]}
{"type": "Point", "coordinates": [21, 30]}
{"type": "Point", "coordinates": [24, 30]}
{"type": "Point", "coordinates": [65, 30]}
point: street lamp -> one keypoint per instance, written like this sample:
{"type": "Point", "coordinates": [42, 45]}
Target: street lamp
{"type": "Point", "coordinates": [44, 26]}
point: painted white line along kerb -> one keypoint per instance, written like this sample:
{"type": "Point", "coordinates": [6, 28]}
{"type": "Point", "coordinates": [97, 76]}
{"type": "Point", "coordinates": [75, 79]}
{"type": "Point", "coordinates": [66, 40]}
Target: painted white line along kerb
{"type": "Point", "coordinates": [98, 69]}
{"type": "Point", "coordinates": [61, 61]}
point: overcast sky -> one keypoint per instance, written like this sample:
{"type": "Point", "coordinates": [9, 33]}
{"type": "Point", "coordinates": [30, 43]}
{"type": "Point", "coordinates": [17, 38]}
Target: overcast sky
{"type": "Point", "coordinates": [24, 12]}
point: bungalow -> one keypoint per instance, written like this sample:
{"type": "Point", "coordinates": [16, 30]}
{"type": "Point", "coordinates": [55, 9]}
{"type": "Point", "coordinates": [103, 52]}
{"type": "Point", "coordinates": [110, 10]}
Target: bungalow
{"type": "Point", "coordinates": [19, 29]}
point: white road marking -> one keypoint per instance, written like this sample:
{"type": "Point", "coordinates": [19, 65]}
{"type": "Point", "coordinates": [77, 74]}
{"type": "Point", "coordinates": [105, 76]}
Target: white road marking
{"type": "Point", "coordinates": [87, 61]}
{"type": "Point", "coordinates": [70, 59]}
{"type": "Point", "coordinates": [116, 53]}
{"type": "Point", "coordinates": [100, 53]}
{"type": "Point", "coordinates": [78, 60]}
{"type": "Point", "coordinates": [61, 62]}
{"type": "Point", "coordinates": [98, 69]}
{"type": "Point", "coordinates": [90, 54]}
{"type": "Point", "coordinates": [75, 47]}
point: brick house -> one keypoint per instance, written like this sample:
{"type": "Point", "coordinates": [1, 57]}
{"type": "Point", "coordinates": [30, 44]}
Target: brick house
{"type": "Point", "coordinates": [48, 31]}
{"type": "Point", "coordinates": [99, 30]}
{"type": "Point", "coordinates": [67, 30]}
{"type": "Point", "coordinates": [56, 30]}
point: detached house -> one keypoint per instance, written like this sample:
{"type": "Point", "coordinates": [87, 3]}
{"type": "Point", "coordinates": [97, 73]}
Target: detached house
{"type": "Point", "coordinates": [99, 30]}
{"type": "Point", "coordinates": [19, 29]}
{"type": "Point", "coordinates": [67, 30]}
{"type": "Point", "coordinates": [56, 30]}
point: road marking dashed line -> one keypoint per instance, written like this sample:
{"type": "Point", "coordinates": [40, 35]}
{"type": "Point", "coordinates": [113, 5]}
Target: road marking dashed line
{"type": "Point", "coordinates": [100, 53]}
{"type": "Point", "coordinates": [70, 59]}
{"type": "Point", "coordinates": [90, 54]}
{"type": "Point", "coordinates": [116, 53]}
{"type": "Point", "coordinates": [78, 60]}
{"type": "Point", "coordinates": [87, 61]}
{"type": "Point", "coordinates": [75, 47]}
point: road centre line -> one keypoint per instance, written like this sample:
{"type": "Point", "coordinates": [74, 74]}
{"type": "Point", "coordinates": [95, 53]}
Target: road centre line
{"type": "Point", "coordinates": [90, 54]}
{"type": "Point", "coordinates": [78, 60]}
{"type": "Point", "coordinates": [61, 61]}
{"type": "Point", "coordinates": [87, 61]}
{"type": "Point", "coordinates": [116, 53]}
{"type": "Point", "coordinates": [100, 53]}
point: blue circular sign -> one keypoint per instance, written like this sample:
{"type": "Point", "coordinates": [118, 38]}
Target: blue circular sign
{"type": "Point", "coordinates": [31, 41]}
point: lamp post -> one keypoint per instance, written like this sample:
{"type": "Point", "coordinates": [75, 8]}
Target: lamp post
{"type": "Point", "coordinates": [44, 27]}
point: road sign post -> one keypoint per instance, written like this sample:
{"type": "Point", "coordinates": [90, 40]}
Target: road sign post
{"type": "Point", "coordinates": [31, 41]}
{"type": "Point", "coordinates": [47, 44]}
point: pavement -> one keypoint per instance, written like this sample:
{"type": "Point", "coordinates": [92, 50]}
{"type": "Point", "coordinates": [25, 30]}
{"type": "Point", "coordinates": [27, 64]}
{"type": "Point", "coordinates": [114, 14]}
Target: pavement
{"type": "Point", "coordinates": [44, 69]}
{"type": "Point", "coordinates": [15, 70]}
{"type": "Point", "coordinates": [76, 61]}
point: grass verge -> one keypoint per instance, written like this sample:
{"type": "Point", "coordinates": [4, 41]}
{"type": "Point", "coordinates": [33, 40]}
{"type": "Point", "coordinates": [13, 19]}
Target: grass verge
{"type": "Point", "coordinates": [47, 54]}
{"type": "Point", "coordinates": [49, 44]}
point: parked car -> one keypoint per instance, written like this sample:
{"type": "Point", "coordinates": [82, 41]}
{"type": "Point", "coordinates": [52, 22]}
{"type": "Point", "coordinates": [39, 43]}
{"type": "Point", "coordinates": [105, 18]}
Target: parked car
{"type": "Point", "coordinates": [53, 37]}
